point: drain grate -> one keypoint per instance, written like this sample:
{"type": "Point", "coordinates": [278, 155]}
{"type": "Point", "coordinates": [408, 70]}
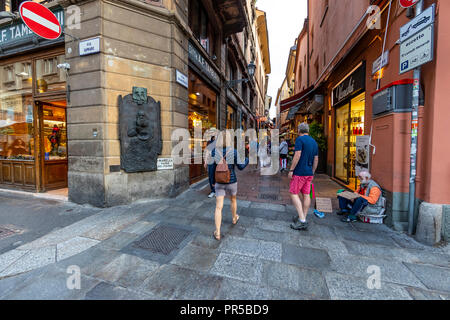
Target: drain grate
{"type": "Point", "coordinates": [268, 196]}
{"type": "Point", "coordinates": [162, 240]}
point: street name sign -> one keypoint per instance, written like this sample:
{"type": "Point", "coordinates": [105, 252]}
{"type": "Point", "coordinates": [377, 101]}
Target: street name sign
{"type": "Point", "coordinates": [408, 3]}
{"type": "Point", "coordinates": [381, 62]}
{"type": "Point", "coordinates": [417, 50]}
{"type": "Point", "coordinates": [182, 79]}
{"type": "Point", "coordinates": [420, 22]}
{"type": "Point", "coordinates": [40, 20]}
{"type": "Point", "coordinates": [89, 46]}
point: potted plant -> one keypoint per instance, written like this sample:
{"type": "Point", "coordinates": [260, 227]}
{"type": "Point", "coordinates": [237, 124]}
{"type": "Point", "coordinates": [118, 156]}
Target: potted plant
{"type": "Point", "coordinates": [317, 133]}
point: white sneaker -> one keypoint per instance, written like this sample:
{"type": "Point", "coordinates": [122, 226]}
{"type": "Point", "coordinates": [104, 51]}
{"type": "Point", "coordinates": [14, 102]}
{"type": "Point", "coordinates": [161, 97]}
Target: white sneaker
{"type": "Point", "coordinates": [211, 195]}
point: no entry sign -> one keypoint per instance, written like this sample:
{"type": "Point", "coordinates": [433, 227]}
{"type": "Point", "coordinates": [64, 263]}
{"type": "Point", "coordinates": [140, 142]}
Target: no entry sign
{"type": "Point", "coordinates": [408, 3]}
{"type": "Point", "coordinates": [40, 20]}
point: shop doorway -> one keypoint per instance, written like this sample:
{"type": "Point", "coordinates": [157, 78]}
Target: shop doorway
{"type": "Point", "coordinates": [53, 142]}
{"type": "Point", "coordinates": [349, 125]}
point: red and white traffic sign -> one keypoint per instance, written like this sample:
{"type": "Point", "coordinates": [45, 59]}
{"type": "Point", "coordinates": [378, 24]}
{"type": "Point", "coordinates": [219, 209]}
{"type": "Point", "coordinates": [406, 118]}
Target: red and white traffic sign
{"type": "Point", "coordinates": [408, 3]}
{"type": "Point", "coordinates": [40, 20]}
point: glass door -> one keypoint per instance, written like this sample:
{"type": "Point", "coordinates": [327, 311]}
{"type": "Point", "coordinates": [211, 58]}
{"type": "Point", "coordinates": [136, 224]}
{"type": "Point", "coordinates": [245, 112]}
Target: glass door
{"type": "Point", "coordinates": [342, 143]}
{"type": "Point", "coordinates": [54, 144]}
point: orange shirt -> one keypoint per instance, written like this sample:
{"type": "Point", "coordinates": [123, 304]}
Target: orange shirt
{"type": "Point", "coordinates": [374, 195]}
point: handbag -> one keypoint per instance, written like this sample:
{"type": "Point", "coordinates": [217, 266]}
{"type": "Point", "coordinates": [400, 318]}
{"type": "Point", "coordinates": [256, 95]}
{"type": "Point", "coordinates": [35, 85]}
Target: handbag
{"type": "Point", "coordinates": [222, 174]}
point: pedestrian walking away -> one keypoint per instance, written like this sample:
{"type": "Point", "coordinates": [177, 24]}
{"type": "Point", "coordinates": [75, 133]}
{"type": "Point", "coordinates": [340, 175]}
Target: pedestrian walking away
{"type": "Point", "coordinates": [303, 168]}
{"type": "Point", "coordinates": [226, 184]}
{"type": "Point", "coordinates": [211, 145]}
{"type": "Point", "coordinates": [284, 150]}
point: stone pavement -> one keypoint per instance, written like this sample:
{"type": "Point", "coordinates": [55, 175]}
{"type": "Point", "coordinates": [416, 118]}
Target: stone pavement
{"type": "Point", "coordinates": [260, 258]}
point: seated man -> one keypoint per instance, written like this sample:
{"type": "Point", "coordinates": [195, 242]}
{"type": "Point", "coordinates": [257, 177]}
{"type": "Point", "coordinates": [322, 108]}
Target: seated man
{"type": "Point", "coordinates": [369, 197]}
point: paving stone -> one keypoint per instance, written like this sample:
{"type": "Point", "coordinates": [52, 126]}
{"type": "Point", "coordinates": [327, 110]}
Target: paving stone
{"type": "Point", "coordinates": [404, 241]}
{"type": "Point", "coordinates": [179, 212]}
{"type": "Point", "coordinates": [322, 231]}
{"type": "Point", "coordinates": [259, 213]}
{"type": "Point", "coordinates": [347, 287]}
{"type": "Point", "coordinates": [362, 249]}
{"type": "Point", "coordinates": [256, 233]}
{"type": "Point", "coordinates": [391, 270]}
{"type": "Point", "coordinates": [196, 258]}
{"type": "Point", "coordinates": [19, 281]}
{"type": "Point", "coordinates": [366, 237]}
{"type": "Point", "coordinates": [294, 278]}
{"type": "Point", "coordinates": [118, 241]}
{"type": "Point", "coordinates": [140, 227]}
{"type": "Point", "coordinates": [138, 295]}
{"type": "Point", "coordinates": [165, 281]}
{"type": "Point", "coordinates": [108, 229]}
{"type": "Point", "coordinates": [10, 257]}
{"type": "Point", "coordinates": [238, 267]}
{"type": "Point", "coordinates": [199, 286]}
{"type": "Point", "coordinates": [32, 260]}
{"type": "Point", "coordinates": [204, 241]}
{"type": "Point", "coordinates": [425, 257]}
{"type": "Point", "coordinates": [51, 285]}
{"type": "Point", "coordinates": [105, 291]}
{"type": "Point", "coordinates": [238, 290]}
{"type": "Point", "coordinates": [435, 278]}
{"type": "Point", "coordinates": [268, 206]}
{"type": "Point", "coordinates": [420, 294]}
{"type": "Point", "coordinates": [252, 248]}
{"type": "Point", "coordinates": [305, 257]}
{"type": "Point", "coordinates": [286, 294]}
{"type": "Point", "coordinates": [128, 271]}
{"type": "Point", "coordinates": [333, 247]}
{"type": "Point", "coordinates": [272, 225]}
{"type": "Point", "coordinates": [73, 246]}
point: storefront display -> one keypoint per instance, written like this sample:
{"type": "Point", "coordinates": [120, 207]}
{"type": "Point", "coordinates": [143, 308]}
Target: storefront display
{"type": "Point", "coordinates": [202, 114]}
{"type": "Point", "coordinates": [231, 118]}
{"type": "Point", "coordinates": [349, 104]}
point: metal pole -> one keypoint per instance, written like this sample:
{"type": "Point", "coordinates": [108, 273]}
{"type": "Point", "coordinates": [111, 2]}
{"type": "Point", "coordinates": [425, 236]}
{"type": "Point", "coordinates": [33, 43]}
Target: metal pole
{"type": "Point", "coordinates": [414, 129]}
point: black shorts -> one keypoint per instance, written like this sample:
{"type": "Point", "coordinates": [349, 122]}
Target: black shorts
{"type": "Point", "coordinates": [283, 156]}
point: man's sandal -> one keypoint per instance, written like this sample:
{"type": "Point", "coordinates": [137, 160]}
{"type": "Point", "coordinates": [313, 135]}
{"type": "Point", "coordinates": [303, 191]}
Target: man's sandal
{"type": "Point", "coordinates": [236, 221]}
{"type": "Point", "coordinates": [216, 237]}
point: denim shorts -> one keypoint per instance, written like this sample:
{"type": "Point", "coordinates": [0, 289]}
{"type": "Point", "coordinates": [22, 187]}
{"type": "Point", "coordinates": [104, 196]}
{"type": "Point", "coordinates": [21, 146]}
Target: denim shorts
{"type": "Point", "coordinates": [223, 190]}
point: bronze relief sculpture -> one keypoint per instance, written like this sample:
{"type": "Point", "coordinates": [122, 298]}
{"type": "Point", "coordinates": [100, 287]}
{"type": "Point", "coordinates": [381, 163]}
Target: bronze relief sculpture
{"type": "Point", "coordinates": [140, 131]}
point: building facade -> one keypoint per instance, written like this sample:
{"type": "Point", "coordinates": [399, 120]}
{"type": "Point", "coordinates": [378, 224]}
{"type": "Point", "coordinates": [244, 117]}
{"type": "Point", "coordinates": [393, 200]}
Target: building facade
{"type": "Point", "coordinates": [342, 47]}
{"type": "Point", "coordinates": [60, 127]}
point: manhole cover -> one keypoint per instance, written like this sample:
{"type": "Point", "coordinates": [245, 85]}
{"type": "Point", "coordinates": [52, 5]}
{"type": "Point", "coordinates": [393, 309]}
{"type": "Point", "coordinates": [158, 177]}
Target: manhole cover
{"type": "Point", "coordinates": [162, 243]}
{"type": "Point", "coordinates": [163, 239]}
{"type": "Point", "coordinates": [5, 232]}
{"type": "Point", "coordinates": [267, 196]}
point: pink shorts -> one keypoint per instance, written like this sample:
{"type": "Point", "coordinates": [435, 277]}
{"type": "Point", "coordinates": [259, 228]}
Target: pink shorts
{"type": "Point", "coordinates": [301, 185]}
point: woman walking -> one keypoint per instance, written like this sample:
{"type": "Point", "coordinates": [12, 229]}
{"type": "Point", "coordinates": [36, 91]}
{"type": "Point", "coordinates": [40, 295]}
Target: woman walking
{"type": "Point", "coordinates": [228, 156]}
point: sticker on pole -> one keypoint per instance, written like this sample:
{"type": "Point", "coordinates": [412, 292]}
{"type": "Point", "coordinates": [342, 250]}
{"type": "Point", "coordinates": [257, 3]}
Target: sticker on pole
{"type": "Point", "coordinates": [40, 20]}
{"type": "Point", "coordinates": [408, 3]}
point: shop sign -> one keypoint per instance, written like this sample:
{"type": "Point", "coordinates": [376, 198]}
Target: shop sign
{"type": "Point", "coordinates": [350, 85]}
{"type": "Point", "coordinates": [20, 31]}
{"type": "Point", "coordinates": [381, 62]}
{"type": "Point", "coordinates": [417, 50]}
{"type": "Point", "coordinates": [420, 22]}
{"type": "Point", "coordinates": [165, 163]}
{"type": "Point", "coordinates": [182, 79]}
{"type": "Point", "coordinates": [362, 154]}
{"type": "Point", "coordinates": [89, 46]}
{"type": "Point", "coordinates": [197, 58]}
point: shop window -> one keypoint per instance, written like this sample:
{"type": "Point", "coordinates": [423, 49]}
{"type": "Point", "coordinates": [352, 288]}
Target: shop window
{"type": "Point", "coordinates": [16, 112]}
{"type": "Point", "coordinates": [55, 132]}
{"type": "Point", "coordinates": [202, 27]}
{"type": "Point", "coordinates": [231, 118]}
{"type": "Point", "coordinates": [48, 77]}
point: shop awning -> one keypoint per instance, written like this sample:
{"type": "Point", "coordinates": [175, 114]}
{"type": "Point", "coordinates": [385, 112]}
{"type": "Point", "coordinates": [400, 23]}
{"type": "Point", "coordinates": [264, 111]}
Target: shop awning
{"type": "Point", "coordinates": [294, 110]}
{"type": "Point", "coordinates": [295, 100]}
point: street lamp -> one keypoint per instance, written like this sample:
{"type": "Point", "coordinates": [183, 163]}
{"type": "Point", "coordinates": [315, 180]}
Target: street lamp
{"type": "Point", "coordinates": [251, 72]}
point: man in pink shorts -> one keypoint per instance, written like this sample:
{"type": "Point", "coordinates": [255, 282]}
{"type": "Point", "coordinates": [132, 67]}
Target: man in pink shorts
{"type": "Point", "coordinates": [302, 171]}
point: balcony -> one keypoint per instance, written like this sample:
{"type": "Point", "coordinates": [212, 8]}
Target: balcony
{"type": "Point", "coordinates": [232, 14]}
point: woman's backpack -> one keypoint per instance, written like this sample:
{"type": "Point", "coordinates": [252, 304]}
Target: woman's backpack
{"type": "Point", "coordinates": [222, 173]}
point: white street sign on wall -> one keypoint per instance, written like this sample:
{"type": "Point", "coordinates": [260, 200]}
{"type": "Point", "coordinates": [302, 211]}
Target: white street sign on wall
{"type": "Point", "coordinates": [182, 79]}
{"type": "Point", "coordinates": [89, 46]}
{"type": "Point", "coordinates": [378, 64]}
{"type": "Point", "coordinates": [417, 50]}
{"type": "Point", "coordinates": [165, 164]}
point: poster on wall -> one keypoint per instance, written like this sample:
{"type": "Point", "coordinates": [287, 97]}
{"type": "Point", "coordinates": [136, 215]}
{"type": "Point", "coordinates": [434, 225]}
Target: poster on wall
{"type": "Point", "coordinates": [362, 153]}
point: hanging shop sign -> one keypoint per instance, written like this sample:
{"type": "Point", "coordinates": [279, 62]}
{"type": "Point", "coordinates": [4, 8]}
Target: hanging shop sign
{"type": "Point", "coordinates": [362, 154]}
{"type": "Point", "coordinates": [381, 62]}
{"type": "Point", "coordinates": [350, 85]}
{"type": "Point", "coordinates": [417, 50]}
{"type": "Point", "coordinates": [200, 62]}
{"type": "Point", "coordinates": [426, 18]}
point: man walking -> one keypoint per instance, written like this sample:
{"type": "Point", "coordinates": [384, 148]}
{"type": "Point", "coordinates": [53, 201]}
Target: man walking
{"type": "Point", "coordinates": [302, 171]}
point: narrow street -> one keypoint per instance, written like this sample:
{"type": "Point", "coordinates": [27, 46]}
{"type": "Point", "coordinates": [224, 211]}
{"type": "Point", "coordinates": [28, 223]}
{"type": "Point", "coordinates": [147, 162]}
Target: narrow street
{"type": "Point", "coordinates": [260, 258]}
